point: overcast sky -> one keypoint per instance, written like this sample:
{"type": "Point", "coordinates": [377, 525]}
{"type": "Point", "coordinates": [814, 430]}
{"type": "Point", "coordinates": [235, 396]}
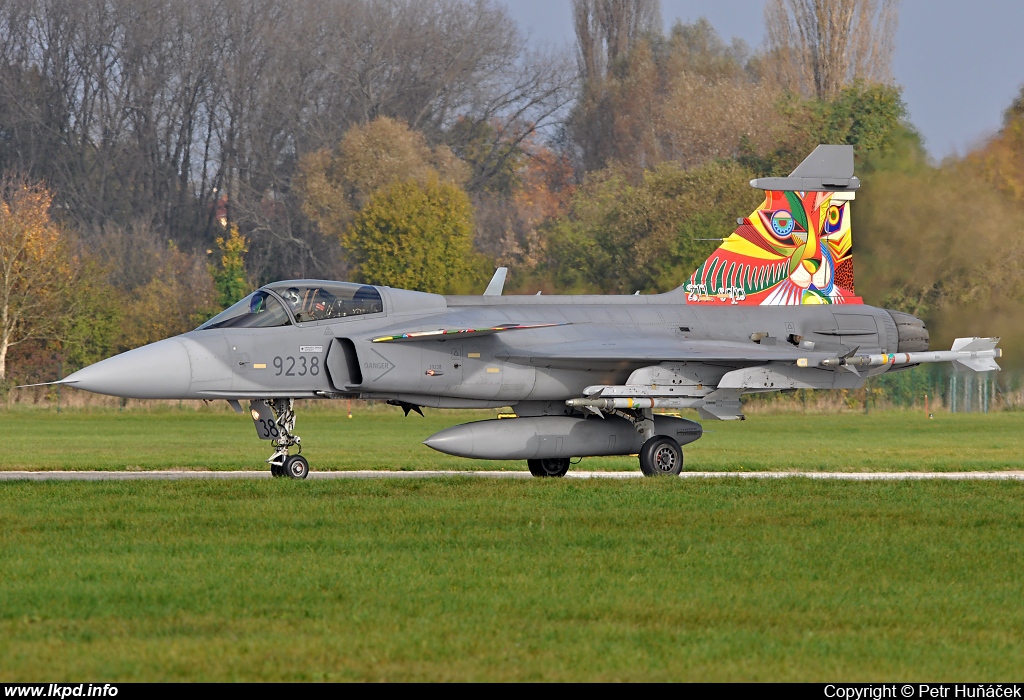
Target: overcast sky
{"type": "Point", "coordinates": [960, 62]}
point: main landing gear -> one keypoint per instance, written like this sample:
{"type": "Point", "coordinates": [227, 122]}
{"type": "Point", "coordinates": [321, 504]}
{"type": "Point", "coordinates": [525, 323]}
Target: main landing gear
{"type": "Point", "coordinates": [661, 456]}
{"type": "Point", "coordinates": [555, 466]}
{"type": "Point", "coordinates": [281, 463]}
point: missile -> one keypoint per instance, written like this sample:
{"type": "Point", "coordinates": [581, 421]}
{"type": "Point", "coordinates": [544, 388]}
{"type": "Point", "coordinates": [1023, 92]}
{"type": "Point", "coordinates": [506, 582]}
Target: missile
{"type": "Point", "coordinates": [545, 437]}
{"type": "Point", "coordinates": [636, 402]}
{"type": "Point", "coordinates": [978, 354]}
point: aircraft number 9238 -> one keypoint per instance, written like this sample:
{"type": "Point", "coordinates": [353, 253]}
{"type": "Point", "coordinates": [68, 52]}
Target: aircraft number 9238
{"type": "Point", "coordinates": [310, 366]}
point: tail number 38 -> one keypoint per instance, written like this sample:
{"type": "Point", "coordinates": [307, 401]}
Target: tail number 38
{"type": "Point", "coordinates": [297, 366]}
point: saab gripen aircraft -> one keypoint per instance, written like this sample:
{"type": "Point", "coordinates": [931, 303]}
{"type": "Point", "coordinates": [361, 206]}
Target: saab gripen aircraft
{"type": "Point", "coordinates": [772, 309]}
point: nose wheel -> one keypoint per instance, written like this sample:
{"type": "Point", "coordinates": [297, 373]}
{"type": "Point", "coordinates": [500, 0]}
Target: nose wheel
{"type": "Point", "coordinates": [296, 467]}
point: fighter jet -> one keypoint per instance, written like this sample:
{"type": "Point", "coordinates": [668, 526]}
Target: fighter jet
{"type": "Point", "coordinates": [772, 309]}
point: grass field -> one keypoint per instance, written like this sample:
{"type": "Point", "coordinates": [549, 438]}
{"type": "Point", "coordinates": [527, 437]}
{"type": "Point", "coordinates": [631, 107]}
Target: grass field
{"type": "Point", "coordinates": [453, 579]}
{"type": "Point", "coordinates": [383, 439]}
{"type": "Point", "coordinates": [459, 579]}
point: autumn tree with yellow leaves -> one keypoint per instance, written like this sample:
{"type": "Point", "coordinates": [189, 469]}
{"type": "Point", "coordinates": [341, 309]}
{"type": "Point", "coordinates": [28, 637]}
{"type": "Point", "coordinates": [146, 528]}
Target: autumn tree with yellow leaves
{"type": "Point", "coordinates": [337, 183]}
{"type": "Point", "coordinates": [38, 271]}
{"type": "Point", "coordinates": [397, 207]}
{"type": "Point", "coordinates": [229, 277]}
{"type": "Point", "coordinates": [417, 236]}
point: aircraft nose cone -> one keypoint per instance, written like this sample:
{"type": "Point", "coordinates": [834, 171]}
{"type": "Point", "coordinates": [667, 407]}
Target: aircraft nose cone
{"type": "Point", "coordinates": [158, 371]}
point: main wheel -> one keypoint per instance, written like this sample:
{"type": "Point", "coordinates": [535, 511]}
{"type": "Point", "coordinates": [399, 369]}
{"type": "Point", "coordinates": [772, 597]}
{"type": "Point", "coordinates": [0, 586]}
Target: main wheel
{"type": "Point", "coordinates": [296, 467]}
{"type": "Point", "coordinates": [661, 455]}
{"type": "Point", "coordinates": [277, 470]}
{"type": "Point", "coordinates": [555, 466]}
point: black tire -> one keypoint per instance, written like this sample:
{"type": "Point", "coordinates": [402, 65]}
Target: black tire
{"type": "Point", "coordinates": [555, 466]}
{"type": "Point", "coordinates": [296, 467]}
{"type": "Point", "coordinates": [276, 470]}
{"type": "Point", "coordinates": [661, 456]}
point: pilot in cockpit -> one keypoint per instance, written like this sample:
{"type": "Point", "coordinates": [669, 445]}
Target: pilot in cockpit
{"type": "Point", "coordinates": [257, 303]}
{"type": "Point", "coordinates": [293, 297]}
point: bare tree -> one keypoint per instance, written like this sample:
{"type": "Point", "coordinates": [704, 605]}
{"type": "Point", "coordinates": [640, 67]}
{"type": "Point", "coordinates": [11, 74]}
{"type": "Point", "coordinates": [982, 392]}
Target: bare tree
{"type": "Point", "coordinates": [160, 114]}
{"type": "Point", "coordinates": [688, 97]}
{"type": "Point", "coordinates": [815, 47]}
{"type": "Point", "coordinates": [607, 29]}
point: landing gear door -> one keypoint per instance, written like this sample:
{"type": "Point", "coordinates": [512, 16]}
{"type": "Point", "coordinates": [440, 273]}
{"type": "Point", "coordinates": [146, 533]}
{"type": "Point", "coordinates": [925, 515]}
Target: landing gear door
{"type": "Point", "coordinates": [263, 418]}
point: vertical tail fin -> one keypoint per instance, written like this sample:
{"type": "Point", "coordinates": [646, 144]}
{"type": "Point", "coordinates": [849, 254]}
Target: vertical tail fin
{"type": "Point", "coordinates": [793, 249]}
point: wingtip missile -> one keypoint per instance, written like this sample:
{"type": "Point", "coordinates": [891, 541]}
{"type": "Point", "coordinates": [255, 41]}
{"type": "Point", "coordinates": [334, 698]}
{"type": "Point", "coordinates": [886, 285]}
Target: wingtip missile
{"type": "Point", "coordinates": [975, 354]}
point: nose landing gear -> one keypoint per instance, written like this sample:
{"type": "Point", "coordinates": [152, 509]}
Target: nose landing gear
{"type": "Point", "coordinates": [275, 421]}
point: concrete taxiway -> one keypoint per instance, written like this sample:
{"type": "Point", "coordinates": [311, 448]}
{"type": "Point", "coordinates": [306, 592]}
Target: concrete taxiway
{"type": "Point", "coordinates": [175, 475]}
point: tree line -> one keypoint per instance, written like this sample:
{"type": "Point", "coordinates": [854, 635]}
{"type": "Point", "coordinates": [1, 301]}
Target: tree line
{"type": "Point", "coordinates": [158, 126]}
{"type": "Point", "coordinates": [189, 152]}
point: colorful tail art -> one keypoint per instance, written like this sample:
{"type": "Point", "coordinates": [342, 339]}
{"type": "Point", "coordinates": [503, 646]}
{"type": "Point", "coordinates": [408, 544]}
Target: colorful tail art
{"type": "Point", "coordinates": [795, 248]}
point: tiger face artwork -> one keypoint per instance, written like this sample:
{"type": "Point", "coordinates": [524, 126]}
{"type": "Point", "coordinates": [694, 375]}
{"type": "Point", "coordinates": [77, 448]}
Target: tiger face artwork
{"type": "Point", "coordinates": [793, 249]}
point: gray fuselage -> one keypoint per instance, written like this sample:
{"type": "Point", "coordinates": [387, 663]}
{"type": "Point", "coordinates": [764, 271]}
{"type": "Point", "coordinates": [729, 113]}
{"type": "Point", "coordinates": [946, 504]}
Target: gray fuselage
{"type": "Point", "coordinates": [338, 357]}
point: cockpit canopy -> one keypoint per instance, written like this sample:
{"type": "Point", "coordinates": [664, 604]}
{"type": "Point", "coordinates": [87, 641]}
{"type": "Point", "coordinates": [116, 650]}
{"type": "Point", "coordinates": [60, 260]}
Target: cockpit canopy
{"type": "Point", "coordinates": [312, 300]}
{"type": "Point", "coordinates": [307, 300]}
{"type": "Point", "coordinates": [258, 310]}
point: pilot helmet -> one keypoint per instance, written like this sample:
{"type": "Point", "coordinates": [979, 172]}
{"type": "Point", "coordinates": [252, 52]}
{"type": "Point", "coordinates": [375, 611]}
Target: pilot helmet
{"type": "Point", "coordinates": [291, 295]}
{"type": "Point", "coordinates": [256, 303]}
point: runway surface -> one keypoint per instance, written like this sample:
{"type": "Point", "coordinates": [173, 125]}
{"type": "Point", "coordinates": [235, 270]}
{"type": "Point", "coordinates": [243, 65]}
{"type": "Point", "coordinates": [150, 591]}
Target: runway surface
{"type": "Point", "coordinates": [182, 475]}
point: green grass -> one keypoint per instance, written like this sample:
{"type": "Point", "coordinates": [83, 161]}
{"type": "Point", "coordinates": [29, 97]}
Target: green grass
{"type": "Point", "coordinates": [454, 579]}
{"type": "Point", "coordinates": [168, 438]}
